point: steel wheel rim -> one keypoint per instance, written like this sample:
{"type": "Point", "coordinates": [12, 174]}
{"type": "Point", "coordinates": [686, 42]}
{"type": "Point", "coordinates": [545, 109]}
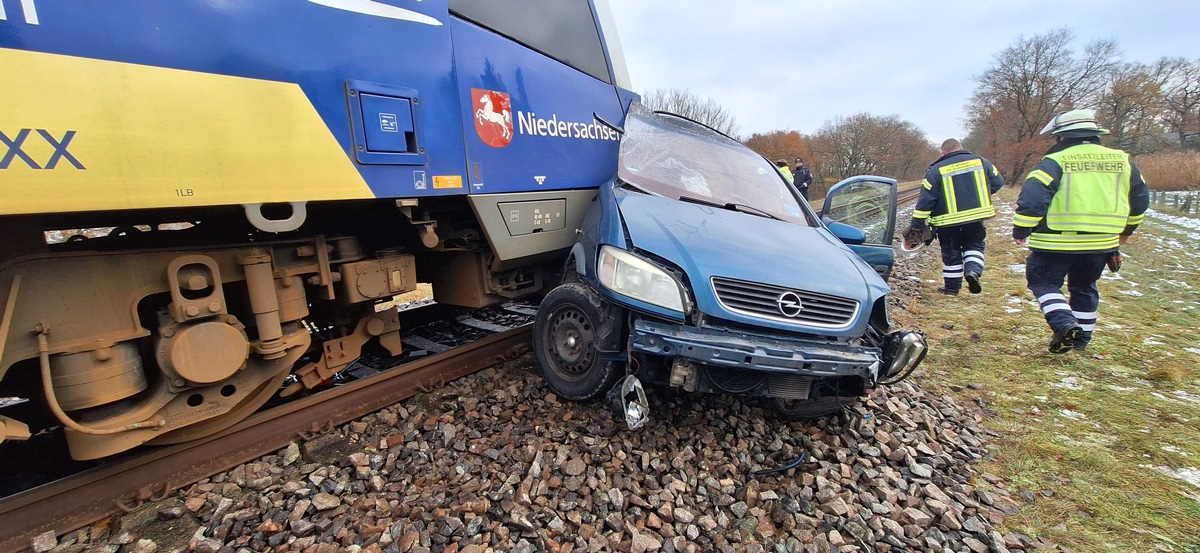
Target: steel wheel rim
{"type": "Point", "coordinates": [572, 337]}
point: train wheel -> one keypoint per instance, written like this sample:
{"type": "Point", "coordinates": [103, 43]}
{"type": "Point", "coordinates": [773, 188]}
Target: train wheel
{"type": "Point", "coordinates": [575, 329]}
{"type": "Point", "coordinates": [211, 426]}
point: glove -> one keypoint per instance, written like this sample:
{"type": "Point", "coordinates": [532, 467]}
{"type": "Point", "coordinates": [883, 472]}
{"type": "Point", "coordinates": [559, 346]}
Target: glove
{"type": "Point", "coordinates": [1114, 261]}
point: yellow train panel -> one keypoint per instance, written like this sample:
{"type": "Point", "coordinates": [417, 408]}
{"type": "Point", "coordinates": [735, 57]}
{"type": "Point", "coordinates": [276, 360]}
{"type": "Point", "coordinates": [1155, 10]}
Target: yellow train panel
{"type": "Point", "coordinates": [84, 134]}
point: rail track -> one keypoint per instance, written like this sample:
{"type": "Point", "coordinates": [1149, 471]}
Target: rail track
{"type": "Point", "coordinates": [74, 501]}
{"type": "Point", "coordinates": [152, 473]}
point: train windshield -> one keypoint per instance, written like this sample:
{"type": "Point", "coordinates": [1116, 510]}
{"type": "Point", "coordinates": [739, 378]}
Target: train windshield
{"type": "Point", "coordinates": [679, 159]}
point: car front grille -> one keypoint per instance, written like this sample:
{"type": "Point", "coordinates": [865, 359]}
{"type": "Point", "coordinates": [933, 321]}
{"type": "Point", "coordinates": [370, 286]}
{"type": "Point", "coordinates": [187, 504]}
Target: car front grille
{"type": "Point", "coordinates": [784, 304]}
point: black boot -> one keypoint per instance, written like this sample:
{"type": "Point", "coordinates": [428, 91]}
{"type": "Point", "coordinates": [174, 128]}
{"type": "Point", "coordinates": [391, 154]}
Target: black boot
{"type": "Point", "coordinates": [1064, 340]}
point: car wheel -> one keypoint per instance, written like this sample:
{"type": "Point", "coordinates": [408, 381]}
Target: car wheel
{"type": "Point", "coordinates": [808, 409]}
{"type": "Point", "coordinates": [575, 328]}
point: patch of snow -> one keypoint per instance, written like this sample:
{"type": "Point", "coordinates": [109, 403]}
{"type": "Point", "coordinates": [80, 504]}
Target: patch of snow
{"type": "Point", "coordinates": [1073, 415]}
{"type": "Point", "coordinates": [1070, 383]}
{"type": "Point", "coordinates": [1018, 269]}
{"type": "Point", "coordinates": [1193, 350]}
{"type": "Point", "coordinates": [1189, 475]}
{"type": "Point", "coordinates": [1186, 396]}
{"type": "Point", "coordinates": [1130, 292]}
{"type": "Point", "coordinates": [1175, 450]}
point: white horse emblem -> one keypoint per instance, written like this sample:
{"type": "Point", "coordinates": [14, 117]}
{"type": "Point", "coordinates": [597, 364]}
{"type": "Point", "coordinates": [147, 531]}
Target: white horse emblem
{"type": "Point", "coordinates": [486, 114]}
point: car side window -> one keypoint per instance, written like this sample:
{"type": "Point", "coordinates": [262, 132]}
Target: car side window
{"type": "Point", "coordinates": [863, 204]}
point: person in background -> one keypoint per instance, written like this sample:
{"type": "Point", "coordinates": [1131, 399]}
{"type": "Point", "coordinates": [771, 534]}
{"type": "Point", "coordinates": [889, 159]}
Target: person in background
{"type": "Point", "coordinates": [955, 200]}
{"type": "Point", "coordinates": [784, 169]}
{"type": "Point", "coordinates": [803, 178]}
{"type": "Point", "coordinates": [1077, 206]}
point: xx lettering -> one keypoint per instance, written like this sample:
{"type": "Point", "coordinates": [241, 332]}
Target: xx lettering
{"type": "Point", "coordinates": [16, 149]}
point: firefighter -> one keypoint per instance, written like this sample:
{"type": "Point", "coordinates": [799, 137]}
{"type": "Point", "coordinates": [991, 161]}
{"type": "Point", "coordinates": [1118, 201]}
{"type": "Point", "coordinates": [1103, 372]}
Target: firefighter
{"type": "Point", "coordinates": [1073, 223]}
{"type": "Point", "coordinates": [955, 200]}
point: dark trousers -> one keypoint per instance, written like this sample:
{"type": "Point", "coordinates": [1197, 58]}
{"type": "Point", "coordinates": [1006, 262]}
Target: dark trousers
{"type": "Point", "coordinates": [962, 251]}
{"type": "Point", "coordinates": [1044, 273]}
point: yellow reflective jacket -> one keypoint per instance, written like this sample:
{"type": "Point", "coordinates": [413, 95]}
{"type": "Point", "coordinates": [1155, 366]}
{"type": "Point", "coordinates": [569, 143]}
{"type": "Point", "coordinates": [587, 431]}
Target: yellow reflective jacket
{"type": "Point", "coordinates": [1081, 198]}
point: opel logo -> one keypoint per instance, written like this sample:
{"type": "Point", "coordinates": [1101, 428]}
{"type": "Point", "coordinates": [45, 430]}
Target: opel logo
{"type": "Point", "coordinates": [789, 304]}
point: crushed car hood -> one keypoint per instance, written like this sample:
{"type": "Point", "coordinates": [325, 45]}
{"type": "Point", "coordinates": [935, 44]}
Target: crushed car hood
{"type": "Point", "coordinates": [710, 241]}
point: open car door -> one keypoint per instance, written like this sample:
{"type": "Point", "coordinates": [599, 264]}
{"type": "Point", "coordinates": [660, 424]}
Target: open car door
{"type": "Point", "coordinates": [867, 203]}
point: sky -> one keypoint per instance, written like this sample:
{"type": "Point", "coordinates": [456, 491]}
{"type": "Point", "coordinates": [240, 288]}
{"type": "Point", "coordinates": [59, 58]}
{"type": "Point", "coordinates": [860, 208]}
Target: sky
{"type": "Point", "coordinates": [797, 64]}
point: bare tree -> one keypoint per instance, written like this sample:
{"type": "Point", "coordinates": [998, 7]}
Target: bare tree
{"type": "Point", "coordinates": [868, 144]}
{"type": "Point", "coordinates": [1181, 100]}
{"type": "Point", "coordinates": [683, 102]}
{"type": "Point", "coordinates": [1027, 84]}
{"type": "Point", "coordinates": [1132, 106]}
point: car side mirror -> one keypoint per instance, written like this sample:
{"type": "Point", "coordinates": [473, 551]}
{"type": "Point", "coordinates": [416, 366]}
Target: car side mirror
{"type": "Point", "coordinates": [846, 233]}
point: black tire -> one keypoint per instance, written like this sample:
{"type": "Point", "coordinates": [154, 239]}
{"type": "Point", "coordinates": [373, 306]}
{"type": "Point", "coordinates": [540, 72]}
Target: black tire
{"type": "Point", "coordinates": [809, 409]}
{"type": "Point", "coordinates": [574, 328]}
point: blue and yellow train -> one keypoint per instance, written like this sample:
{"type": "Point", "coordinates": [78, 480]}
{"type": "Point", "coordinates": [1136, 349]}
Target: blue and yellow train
{"type": "Point", "coordinates": [189, 188]}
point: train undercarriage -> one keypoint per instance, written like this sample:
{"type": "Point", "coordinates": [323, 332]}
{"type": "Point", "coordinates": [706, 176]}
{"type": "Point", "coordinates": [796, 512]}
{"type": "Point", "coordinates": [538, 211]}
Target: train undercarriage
{"type": "Point", "coordinates": [163, 326]}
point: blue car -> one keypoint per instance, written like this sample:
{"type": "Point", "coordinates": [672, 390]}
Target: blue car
{"type": "Point", "coordinates": [699, 267]}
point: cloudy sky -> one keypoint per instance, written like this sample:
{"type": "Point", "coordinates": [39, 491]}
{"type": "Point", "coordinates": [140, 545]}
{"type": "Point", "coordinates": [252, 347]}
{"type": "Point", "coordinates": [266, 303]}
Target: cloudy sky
{"type": "Point", "coordinates": [795, 64]}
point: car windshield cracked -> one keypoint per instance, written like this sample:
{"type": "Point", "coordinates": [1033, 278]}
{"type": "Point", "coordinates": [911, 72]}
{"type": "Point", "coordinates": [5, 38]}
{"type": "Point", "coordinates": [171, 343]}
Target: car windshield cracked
{"type": "Point", "coordinates": [679, 159]}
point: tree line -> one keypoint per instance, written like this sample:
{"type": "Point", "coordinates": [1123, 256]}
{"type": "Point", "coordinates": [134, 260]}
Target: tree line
{"type": "Point", "coordinates": [1152, 109]}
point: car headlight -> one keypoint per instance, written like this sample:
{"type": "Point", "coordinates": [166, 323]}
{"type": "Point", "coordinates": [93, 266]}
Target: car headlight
{"type": "Point", "coordinates": [635, 277]}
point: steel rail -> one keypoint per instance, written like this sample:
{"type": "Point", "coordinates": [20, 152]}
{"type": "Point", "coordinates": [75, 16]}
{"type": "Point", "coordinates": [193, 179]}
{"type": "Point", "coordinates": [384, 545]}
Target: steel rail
{"type": "Point", "coordinates": [71, 503]}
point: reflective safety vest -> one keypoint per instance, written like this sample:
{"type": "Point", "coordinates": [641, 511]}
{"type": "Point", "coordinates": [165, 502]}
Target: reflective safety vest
{"type": "Point", "coordinates": [1091, 205]}
{"type": "Point", "coordinates": [1093, 194]}
{"type": "Point", "coordinates": [965, 193]}
{"type": "Point", "coordinates": [787, 173]}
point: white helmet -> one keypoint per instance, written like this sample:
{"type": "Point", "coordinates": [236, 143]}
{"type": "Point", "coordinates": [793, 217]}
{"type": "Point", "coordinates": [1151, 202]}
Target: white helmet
{"type": "Point", "coordinates": [1075, 123]}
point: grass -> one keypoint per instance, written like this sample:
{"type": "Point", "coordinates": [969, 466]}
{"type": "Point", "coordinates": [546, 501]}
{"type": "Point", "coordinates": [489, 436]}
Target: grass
{"type": "Point", "coordinates": [1101, 441]}
{"type": "Point", "coordinates": [1171, 171]}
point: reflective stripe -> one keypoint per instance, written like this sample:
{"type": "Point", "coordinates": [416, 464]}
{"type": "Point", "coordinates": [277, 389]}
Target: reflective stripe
{"type": "Point", "coordinates": [1026, 221]}
{"type": "Point", "coordinates": [1074, 242]}
{"type": "Point", "coordinates": [920, 214]}
{"type": "Point", "coordinates": [1055, 307]}
{"type": "Point", "coordinates": [952, 274]}
{"type": "Point", "coordinates": [1083, 315]}
{"type": "Point", "coordinates": [1135, 219]}
{"type": "Point", "coordinates": [953, 267]}
{"type": "Point", "coordinates": [1051, 296]}
{"type": "Point", "coordinates": [926, 184]}
{"type": "Point", "coordinates": [966, 216]}
{"type": "Point", "coordinates": [1087, 327]}
{"type": "Point", "coordinates": [1041, 176]}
